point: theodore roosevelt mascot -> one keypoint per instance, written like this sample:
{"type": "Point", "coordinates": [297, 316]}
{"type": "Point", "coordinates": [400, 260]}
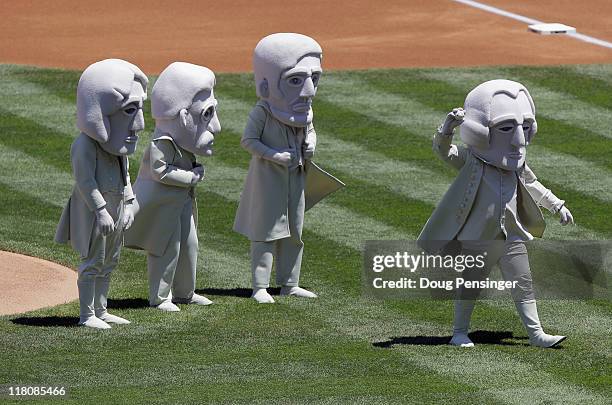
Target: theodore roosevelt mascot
{"type": "Point", "coordinates": [282, 182]}
{"type": "Point", "coordinates": [110, 95]}
{"type": "Point", "coordinates": [492, 206]}
{"type": "Point", "coordinates": [184, 107]}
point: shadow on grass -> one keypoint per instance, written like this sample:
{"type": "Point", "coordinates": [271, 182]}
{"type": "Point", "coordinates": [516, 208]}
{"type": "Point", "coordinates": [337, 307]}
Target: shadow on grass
{"type": "Point", "coordinates": [72, 321]}
{"type": "Point", "coordinates": [62, 321]}
{"type": "Point", "coordinates": [478, 337]}
{"type": "Point", "coordinates": [234, 292]}
{"type": "Point", "coordinates": [128, 303]}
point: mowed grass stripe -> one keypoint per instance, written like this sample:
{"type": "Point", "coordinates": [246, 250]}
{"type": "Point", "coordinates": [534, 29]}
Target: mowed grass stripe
{"type": "Point", "coordinates": [27, 174]}
{"type": "Point", "coordinates": [480, 367]}
{"type": "Point", "coordinates": [559, 106]}
{"type": "Point", "coordinates": [567, 80]}
{"type": "Point", "coordinates": [587, 177]}
{"type": "Point", "coordinates": [597, 72]}
{"type": "Point", "coordinates": [25, 99]}
{"type": "Point", "coordinates": [555, 135]}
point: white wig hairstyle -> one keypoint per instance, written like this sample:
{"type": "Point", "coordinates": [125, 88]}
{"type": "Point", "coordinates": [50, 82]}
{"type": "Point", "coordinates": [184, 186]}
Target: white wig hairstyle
{"type": "Point", "coordinates": [279, 52]}
{"type": "Point", "coordinates": [475, 128]}
{"type": "Point", "coordinates": [176, 87]}
{"type": "Point", "coordinates": [103, 89]}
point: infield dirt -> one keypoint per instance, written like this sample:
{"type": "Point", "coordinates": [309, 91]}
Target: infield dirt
{"type": "Point", "coordinates": [354, 34]}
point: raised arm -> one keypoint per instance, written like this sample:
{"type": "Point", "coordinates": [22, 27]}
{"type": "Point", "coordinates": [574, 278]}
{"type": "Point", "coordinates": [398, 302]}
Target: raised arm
{"type": "Point", "coordinates": [442, 142]}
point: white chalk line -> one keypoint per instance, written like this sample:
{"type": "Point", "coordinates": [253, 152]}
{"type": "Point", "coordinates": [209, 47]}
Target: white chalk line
{"type": "Point", "coordinates": [527, 20]}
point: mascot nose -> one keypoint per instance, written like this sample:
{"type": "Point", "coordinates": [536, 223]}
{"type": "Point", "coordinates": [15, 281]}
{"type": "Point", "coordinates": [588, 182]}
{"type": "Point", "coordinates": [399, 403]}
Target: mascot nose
{"type": "Point", "coordinates": [308, 90]}
{"type": "Point", "coordinates": [139, 123]}
{"type": "Point", "coordinates": [214, 125]}
{"type": "Point", "coordinates": [518, 137]}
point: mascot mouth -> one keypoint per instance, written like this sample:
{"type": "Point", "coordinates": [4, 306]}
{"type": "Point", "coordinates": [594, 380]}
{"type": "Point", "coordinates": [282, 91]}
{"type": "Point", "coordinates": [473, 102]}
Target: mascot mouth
{"type": "Point", "coordinates": [301, 107]}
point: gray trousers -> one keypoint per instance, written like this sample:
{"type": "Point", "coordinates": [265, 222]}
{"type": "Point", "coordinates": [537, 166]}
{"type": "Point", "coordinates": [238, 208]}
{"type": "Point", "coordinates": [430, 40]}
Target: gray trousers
{"type": "Point", "coordinates": [285, 252]}
{"type": "Point", "coordinates": [103, 256]}
{"type": "Point", "coordinates": [173, 274]}
{"type": "Point", "coordinates": [513, 263]}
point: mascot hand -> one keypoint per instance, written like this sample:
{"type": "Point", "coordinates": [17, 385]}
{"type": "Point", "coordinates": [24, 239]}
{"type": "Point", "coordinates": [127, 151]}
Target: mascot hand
{"type": "Point", "coordinates": [284, 157]}
{"type": "Point", "coordinates": [105, 221]}
{"type": "Point", "coordinates": [566, 216]}
{"type": "Point", "coordinates": [197, 174]}
{"type": "Point", "coordinates": [128, 217]}
{"type": "Point", "coordinates": [309, 150]}
{"type": "Point", "coordinates": [453, 120]}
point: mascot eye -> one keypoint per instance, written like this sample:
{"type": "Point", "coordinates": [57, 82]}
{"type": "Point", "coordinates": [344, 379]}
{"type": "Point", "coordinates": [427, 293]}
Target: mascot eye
{"type": "Point", "coordinates": [296, 81]}
{"type": "Point", "coordinates": [526, 127]}
{"type": "Point", "coordinates": [506, 128]}
{"type": "Point", "coordinates": [130, 110]}
{"type": "Point", "coordinates": [208, 114]}
{"type": "Point", "coordinates": [315, 79]}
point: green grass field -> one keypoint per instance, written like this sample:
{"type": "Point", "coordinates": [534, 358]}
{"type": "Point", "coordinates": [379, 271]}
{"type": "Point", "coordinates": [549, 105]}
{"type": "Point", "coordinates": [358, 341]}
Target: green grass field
{"type": "Point", "coordinates": [374, 130]}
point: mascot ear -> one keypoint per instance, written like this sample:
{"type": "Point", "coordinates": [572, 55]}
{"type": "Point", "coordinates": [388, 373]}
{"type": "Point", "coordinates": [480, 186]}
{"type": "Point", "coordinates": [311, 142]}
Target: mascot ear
{"type": "Point", "coordinates": [264, 91]}
{"type": "Point", "coordinates": [183, 117]}
{"type": "Point", "coordinates": [532, 131]}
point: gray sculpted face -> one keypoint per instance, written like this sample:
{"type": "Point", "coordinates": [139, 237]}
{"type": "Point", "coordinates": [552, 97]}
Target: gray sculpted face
{"type": "Point", "coordinates": [184, 106]}
{"type": "Point", "coordinates": [287, 68]}
{"type": "Point", "coordinates": [110, 95]}
{"type": "Point", "coordinates": [199, 125]}
{"type": "Point", "coordinates": [125, 124]}
{"type": "Point", "coordinates": [296, 88]}
{"type": "Point", "coordinates": [511, 121]}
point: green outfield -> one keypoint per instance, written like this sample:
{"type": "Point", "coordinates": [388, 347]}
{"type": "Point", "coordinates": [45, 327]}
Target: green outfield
{"type": "Point", "coordinates": [374, 130]}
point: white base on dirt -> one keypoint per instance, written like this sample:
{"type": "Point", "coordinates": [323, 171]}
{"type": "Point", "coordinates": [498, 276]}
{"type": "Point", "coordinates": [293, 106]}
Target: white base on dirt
{"type": "Point", "coordinates": [551, 28]}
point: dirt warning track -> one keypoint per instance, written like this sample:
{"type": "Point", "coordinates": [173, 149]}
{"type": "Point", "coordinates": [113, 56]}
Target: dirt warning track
{"type": "Point", "coordinates": [354, 34]}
